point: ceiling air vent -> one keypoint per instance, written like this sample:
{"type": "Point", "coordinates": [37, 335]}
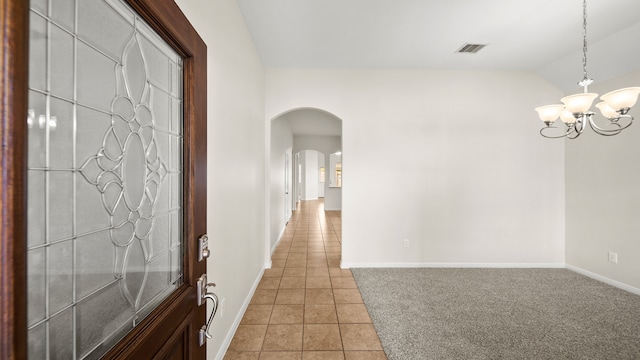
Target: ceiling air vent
{"type": "Point", "coordinates": [470, 48]}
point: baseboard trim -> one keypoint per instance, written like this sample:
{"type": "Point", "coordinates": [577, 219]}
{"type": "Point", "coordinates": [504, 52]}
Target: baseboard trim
{"type": "Point", "coordinates": [604, 279]}
{"type": "Point", "coordinates": [453, 265]}
{"type": "Point", "coordinates": [275, 245]}
{"type": "Point", "coordinates": [234, 327]}
{"type": "Point", "coordinates": [586, 273]}
{"type": "Point", "coordinates": [273, 248]}
{"type": "Point", "coordinates": [267, 262]}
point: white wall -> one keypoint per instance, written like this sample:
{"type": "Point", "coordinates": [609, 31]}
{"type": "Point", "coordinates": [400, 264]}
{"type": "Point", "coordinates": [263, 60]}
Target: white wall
{"type": "Point", "coordinates": [236, 161]}
{"type": "Point", "coordinates": [603, 197]}
{"type": "Point", "coordinates": [310, 175]}
{"type": "Point", "coordinates": [301, 175]}
{"type": "Point", "coordinates": [450, 160]}
{"type": "Point", "coordinates": [325, 145]}
{"type": "Point", "coordinates": [321, 165]}
{"type": "Point", "coordinates": [281, 143]}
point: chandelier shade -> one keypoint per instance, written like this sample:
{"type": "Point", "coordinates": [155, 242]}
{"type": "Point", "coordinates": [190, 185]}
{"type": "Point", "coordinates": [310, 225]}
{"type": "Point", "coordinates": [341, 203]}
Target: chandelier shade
{"type": "Point", "coordinates": [621, 98]}
{"type": "Point", "coordinates": [567, 117]}
{"type": "Point", "coordinates": [579, 103]}
{"type": "Point", "coordinates": [549, 113]}
{"type": "Point", "coordinates": [607, 111]}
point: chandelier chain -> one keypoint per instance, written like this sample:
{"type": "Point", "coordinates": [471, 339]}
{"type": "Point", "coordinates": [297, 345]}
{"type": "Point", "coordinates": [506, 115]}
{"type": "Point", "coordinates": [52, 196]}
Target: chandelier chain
{"type": "Point", "coordinates": [584, 39]}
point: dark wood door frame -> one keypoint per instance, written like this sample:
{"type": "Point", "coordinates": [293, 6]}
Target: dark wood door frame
{"type": "Point", "coordinates": [169, 21]}
{"type": "Point", "coordinates": [13, 150]}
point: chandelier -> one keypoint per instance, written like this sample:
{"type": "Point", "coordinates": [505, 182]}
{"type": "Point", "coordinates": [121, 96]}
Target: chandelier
{"type": "Point", "coordinates": [575, 111]}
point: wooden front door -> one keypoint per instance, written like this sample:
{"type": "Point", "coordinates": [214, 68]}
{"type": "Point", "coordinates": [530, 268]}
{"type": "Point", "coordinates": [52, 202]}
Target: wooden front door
{"type": "Point", "coordinates": [103, 180]}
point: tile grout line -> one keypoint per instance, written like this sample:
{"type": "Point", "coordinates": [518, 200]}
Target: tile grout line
{"type": "Point", "coordinates": [307, 234]}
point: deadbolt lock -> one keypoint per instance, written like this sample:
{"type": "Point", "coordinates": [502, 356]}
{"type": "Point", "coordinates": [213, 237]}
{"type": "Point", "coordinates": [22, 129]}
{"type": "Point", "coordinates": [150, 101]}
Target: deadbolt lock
{"type": "Point", "coordinates": [203, 247]}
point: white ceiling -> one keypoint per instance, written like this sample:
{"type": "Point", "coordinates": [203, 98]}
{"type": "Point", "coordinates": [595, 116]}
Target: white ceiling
{"type": "Point", "coordinates": [544, 36]}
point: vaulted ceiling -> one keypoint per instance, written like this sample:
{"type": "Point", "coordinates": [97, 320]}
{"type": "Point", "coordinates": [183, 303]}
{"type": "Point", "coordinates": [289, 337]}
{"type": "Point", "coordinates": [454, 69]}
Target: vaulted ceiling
{"type": "Point", "coordinates": [543, 36]}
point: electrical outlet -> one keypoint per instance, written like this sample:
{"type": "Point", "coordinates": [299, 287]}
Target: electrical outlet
{"type": "Point", "coordinates": [613, 257]}
{"type": "Point", "coordinates": [406, 243]}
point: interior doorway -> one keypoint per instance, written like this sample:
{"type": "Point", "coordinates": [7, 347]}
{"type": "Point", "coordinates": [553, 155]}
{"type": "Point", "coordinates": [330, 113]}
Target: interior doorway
{"type": "Point", "coordinates": [309, 137]}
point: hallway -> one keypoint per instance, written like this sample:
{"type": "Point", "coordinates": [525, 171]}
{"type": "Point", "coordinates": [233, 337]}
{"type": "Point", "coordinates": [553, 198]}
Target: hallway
{"type": "Point", "coordinates": [305, 306]}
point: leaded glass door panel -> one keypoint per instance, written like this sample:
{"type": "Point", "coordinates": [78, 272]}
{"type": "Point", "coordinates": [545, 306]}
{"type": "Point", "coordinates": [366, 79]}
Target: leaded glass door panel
{"type": "Point", "coordinates": [112, 208]}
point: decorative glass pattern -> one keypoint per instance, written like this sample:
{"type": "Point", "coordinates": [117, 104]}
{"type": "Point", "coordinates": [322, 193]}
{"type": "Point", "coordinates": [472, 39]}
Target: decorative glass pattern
{"type": "Point", "coordinates": [105, 175]}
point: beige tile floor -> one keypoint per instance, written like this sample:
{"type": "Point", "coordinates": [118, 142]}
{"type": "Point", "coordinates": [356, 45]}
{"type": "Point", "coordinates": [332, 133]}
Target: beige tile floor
{"type": "Point", "coordinates": [306, 307]}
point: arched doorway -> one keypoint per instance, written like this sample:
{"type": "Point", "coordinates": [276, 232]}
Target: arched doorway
{"type": "Point", "coordinates": [291, 134]}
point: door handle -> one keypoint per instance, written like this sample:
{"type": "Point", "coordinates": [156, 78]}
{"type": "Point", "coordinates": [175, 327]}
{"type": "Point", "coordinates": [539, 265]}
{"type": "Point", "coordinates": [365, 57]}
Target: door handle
{"type": "Point", "coordinates": [204, 330]}
{"type": "Point", "coordinates": [204, 295]}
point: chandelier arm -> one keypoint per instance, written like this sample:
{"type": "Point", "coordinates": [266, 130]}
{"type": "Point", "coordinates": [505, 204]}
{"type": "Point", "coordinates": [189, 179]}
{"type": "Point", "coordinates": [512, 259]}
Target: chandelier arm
{"type": "Point", "coordinates": [610, 132]}
{"type": "Point", "coordinates": [567, 133]}
{"type": "Point", "coordinates": [574, 135]}
{"type": "Point", "coordinates": [577, 127]}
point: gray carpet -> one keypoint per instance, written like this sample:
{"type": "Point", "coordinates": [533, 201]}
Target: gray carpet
{"type": "Point", "coordinates": [499, 314]}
